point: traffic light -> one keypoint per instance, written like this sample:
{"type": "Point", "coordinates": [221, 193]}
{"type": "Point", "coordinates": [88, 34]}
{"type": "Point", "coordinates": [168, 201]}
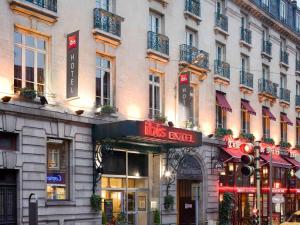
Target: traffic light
{"type": "Point", "coordinates": [247, 159]}
{"type": "Point", "coordinates": [254, 219]}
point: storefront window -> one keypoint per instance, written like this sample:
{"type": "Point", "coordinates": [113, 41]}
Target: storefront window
{"type": "Point", "coordinates": [137, 165]}
{"type": "Point", "coordinates": [57, 169]}
{"type": "Point", "coordinates": [114, 163]}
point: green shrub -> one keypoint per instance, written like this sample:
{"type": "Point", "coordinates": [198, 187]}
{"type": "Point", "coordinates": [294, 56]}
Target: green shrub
{"type": "Point", "coordinates": [168, 202]}
{"type": "Point", "coordinates": [268, 141]}
{"type": "Point", "coordinates": [225, 209]}
{"type": "Point", "coordinates": [156, 218]}
{"type": "Point", "coordinates": [285, 144]}
{"type": "Point", "coordinates": [221, 132]}
{"type": "Point", "coordinates": [28, 93]}
{"type": "Point", "coordinates": [160, 118]}
{"type": "Point", "coordinates": [96, 202]}
{"type": "Point", "coordinates": [107, 109]}
{"type": "Point", "coordinates": [250, 137]}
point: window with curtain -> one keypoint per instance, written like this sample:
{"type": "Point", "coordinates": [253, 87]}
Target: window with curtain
{"type": "Point", "coordinates": [154, 95]}
{"type": "Point", "coordinates": [103, 81]}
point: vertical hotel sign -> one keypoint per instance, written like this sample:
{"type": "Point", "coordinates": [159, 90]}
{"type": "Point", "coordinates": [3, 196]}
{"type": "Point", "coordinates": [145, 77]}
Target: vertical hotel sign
{"type": "Point", "coordinates": [185, 92]}
{"type": "Point", "coordinates": [72, 64]}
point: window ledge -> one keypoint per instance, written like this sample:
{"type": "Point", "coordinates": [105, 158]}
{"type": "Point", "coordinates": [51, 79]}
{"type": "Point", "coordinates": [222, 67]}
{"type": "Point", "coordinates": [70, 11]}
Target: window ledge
{"type": "Point", "coordinates": [246, 44]}
{"type": "Point", "coordinates": [266, 55]}
{"type": "Point", "coordinates": [221, 31]}
{"type": "Point", "coordinates": [188, 14]}
{"type": "Point", "coordinates": [298, 72]}
{"type": "Point", "coordinates": [106, 37]}
{"type": "Point", "coordinates": [282, 64]}
{"type": "Point", "coordinates": [60, 203]}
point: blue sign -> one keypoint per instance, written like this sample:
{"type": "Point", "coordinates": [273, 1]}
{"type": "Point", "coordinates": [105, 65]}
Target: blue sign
{"type": "Point", "coordinates": [56, 178]}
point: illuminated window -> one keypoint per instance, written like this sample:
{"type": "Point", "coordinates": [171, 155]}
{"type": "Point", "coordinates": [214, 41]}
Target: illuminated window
{"type": "Point", "coordinates": [30, 62]}
{"type": "Point", "coordinates": [266, 126]}
{"type": "Point", "coordinates": [220, 117]}
{"type": "Point", "coordinates": [283, 130]}
{"type": "Point", "coordinates": [154, 95]}
{"type": "Point", "coordinates": [298, 133]}
{"type": "Point", "coordinates": [57, 169]}
{"type": "Point", "coordinates": [103, 81]}
{"type": "Point", "coordinates": [245, 120]}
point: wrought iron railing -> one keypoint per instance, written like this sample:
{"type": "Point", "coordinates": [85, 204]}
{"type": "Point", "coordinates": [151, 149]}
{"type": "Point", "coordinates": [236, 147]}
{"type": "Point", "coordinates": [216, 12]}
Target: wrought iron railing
{"type": "Point", "coordinates": [107, 21]}
{"type": "Point", "coordinates": [285, 95]}
{"type": "Point", "coordinates": [267, 47]}
{"type": "Point", "coordinates": [246, 35]}
{"type": "Point", "coordinates": [284, 57]}
{"type": "Point", "coordinates": [189, 53]}
{"type": "Point", "coordinates": [46, 4]}
{"type": "Point", "coordinates": [268, 87]}
{"type": "Point", "coordinates": [221, 21]}
{"type": "Point", "coordinates": [246, 79]}
{"type": "Point", "coordinates": [297, 100]}
{"type": "Point", "coordinates": [222, 68]}
{"type": "Point", "coordinates": [193, 6]}
{"type": "Point", "coordinates": [297, 65]}
{"type": "Point", "coordinates": [158, 42]}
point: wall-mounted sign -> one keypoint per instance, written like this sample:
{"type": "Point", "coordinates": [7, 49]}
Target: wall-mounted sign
{"type": "Point", "coordinates": [275, 190]}
{"type": "Point", "coordinates": [72, 64]}
{"type": "Point", "coordinates": [185, 92]}
{"type": "Point", "coordinates": [156, 130]}
{"type": "Point", "coordinates": [238, 189]}
{"type": "Point", "coordinates": [56, 178]}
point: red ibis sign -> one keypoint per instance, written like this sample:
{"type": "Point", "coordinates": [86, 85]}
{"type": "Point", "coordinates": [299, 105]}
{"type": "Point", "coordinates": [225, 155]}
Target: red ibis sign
{"type": "Point", "coordinates": [159, 131]}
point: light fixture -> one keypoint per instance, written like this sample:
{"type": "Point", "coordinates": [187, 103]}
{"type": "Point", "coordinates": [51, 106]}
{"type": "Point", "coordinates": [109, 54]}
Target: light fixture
{"type": "Point", "coordinates": [79, 112]}
{"type": "Point", "coordinates": [230, 167]}
{"type": "Point", "coordinates": [43, 100]}
{"type": "Point", "coordinates": [167, 173]}
{"type": "Point", "coordinates": [292, 172]}
{"type": "Point", "coordinates": [6, 99]}
{"type": "Point", "coordinates": [170, 124]}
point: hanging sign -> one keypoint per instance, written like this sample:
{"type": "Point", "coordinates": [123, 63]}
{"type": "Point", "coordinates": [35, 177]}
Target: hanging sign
{"type": "Point", "coordinates": [185, 92]}
{"type": "Point", "coordinates": [72, 64]}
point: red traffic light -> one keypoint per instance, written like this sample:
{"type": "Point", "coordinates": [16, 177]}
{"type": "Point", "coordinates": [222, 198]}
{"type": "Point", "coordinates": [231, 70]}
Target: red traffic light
{"type": "Point", "coordinates": [246, 148]}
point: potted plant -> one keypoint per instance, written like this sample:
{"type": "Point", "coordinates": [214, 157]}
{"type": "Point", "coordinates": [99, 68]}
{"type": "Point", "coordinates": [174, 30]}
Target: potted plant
{"type": "Point", "coordinates": [28, 93]}
{"type": "Point", "coordinates": [104, 219]}
{"type": "Point", "coordinates": [222, 132]}
{"type": "Point", "coordinates": [247, 136]}
{"type": "Point", "coordinates": [268, 141]}
{"type": "Point", "coordinates": [96, 202]}
{"type": "Point", "coordinates": [285, 144]}
{"type": "Point", "coordinates": [225, 209]}
{"type": "Point", "coordinates": [168, 202]}
{"type": "Point", "coordinates": [107, 110]}
{"type": "Point", "coordinates": [160, 118]}
{"type": "Point", "coordinates": [156, 218]}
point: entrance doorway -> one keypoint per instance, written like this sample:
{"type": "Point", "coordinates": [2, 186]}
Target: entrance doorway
{"type": "Point", "coordinates": [8, 197]}
{"type": "Point", "coordinates": [189, 191]}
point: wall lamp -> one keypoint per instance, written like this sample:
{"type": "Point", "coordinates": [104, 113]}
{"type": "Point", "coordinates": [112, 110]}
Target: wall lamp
{"type": "Point", "coordinates": [79, 112]}
{"type": "Point", "coordinates": [6, 99]}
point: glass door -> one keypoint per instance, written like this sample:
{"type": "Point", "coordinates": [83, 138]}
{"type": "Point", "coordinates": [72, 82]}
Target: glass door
{"type": "Point", "coordinates": [131, 208]}
{"type": "Point", "coordinates": [137, 207]}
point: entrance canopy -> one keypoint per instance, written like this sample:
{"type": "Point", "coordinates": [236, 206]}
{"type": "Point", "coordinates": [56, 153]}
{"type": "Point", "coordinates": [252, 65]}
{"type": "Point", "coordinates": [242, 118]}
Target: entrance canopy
{"type": "Point", "coordinates": [146, 133]}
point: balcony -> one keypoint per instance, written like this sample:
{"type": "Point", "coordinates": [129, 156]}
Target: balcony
{"type": "Point", "coordinates": [267, 49]}
{"type": "Point", "coordinates": [246, 37]}
{"type": "Point", "coordinates": [221, 24]}
{"type": "Point", "coordinates": [284, 58]}
{"type": "Point", "coordinates": [188, 54]}
{"type": "Point", "coordinates": [192, 10]}
{"type": "Point", "coordinates": [158, 46]}
{"type": "Point", "coordinates": [222, 72]}
{"type": "Point", "coordinates": [297, 103]}
{"type": "Point", "coordinates": [298, 67]}
{"type": "Point", "coordinates": [246, 82]}
{"type": "Point", "coordinates": [43, 10]}
{"type": "Point", "coordinates": [267, 90]}
{"type": "Point", "coordinates": [107, 27]}
{"type": "Point", "coordinates": [284, 97]}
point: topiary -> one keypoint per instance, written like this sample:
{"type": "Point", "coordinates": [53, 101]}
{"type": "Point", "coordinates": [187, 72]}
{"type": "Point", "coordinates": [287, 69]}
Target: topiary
{"type": "Point", "coordinates": [156, 218]}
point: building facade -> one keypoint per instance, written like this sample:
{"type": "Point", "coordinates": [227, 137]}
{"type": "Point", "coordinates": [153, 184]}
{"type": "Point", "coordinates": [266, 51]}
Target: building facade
{"type": "Point", "coordinates": [239, 61]}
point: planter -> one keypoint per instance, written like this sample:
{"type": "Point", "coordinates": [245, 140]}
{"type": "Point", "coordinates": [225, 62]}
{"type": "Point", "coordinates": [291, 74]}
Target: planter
{"type": "Point", "coordinates": [247, 137]}
{"type": "Point", "coordinates": [222, 132]}
{"type": "Point", "coordinates": [27, 94]}
{"type": "Point", "coordinates": [168, 202]}
{"type": "Point", "coordinates": [96, 202]}
{"type": "Point", "coordinates": [160, 119]}
{"type": "Point", "coordinates": [268, 141]}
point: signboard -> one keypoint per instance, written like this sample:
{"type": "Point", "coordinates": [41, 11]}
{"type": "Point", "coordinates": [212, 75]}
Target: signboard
{"type": "Point", "coordinates": [72, 64]}
{"type": "Point", "coordinates": [185, 93]}
{"type": "Point", "coordinates": [55, 178]}
{"type": "Point", "coordinates": [275, 190]}
{"type": "Point", "coordinates": [238, 189]}
{"type": "Point", "coordinates": [159, 131]}
{"type": "Point", "coordinates": [108, 208]}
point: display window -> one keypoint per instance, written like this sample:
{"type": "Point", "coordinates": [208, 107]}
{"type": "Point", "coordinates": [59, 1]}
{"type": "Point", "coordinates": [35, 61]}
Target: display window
{"type": "Point", "coordinates": [57, 169]}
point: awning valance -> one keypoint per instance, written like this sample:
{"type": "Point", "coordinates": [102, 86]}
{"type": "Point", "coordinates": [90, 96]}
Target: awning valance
{"type": "Point", "coordinates": [234, 153]}
{"type": "Point", "coordinates": [266, 112]}
{"type": "Point", "coordinates": [222, 101]}
{"type": "Point", "coordinates": [277, 160]}
{"type": "Point", "coordinates": [246, 105]}
{"type": "Point", "coordinates": [294, 162]}
{"type": "Point", "coordinates": [285, 119]}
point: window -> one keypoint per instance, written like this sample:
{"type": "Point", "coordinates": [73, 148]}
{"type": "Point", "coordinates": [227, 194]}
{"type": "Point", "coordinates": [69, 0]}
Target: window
{"type": "Point", "coordinates": [283, 81]}
{"type": "Point", "coordinates": [155, 23]}
{"type": "Point", "coordinates": [57, 169]}
{"type": "Point", "coordinates": [8, 141]}
{"type": "Point", "coordinates": [266, 126]}
{"type": "Point", "coordinates": [220, 5]}
{"type": "Point", "coordinates": [104, 4]}
{"type": "Point", "coordinates": [30, 60]}
{"type": "Point", "coordinates": [282, 44]}
{"type": "Point", "coordinates": [266, 3]}
{"type": "Point", "coordinates": [282, 11]}
{"type": "Point", "coordinates": [244, 63]}
{"type": "Point", "coordinates": [220, 52]}
{"type": "Point", "coordinates": [298, 131]}
{"type": "Point", "coordinates": [103, 81]}
{"type": "Point", "coordinates": [298, 54]}
{"type": "Point", "coordinates": [191, 38]}
{"type": "Point", "coordinates": [220, 117]}
{"type": "Point", "coordinates": [154, 95]}
{"type": "Point", "coordinates": [245, 119]}
{"type": "Point", "coordinates": [265, 33]}
{"type": "Point", "coordinates": [283, 130]}
{"type": "Point", "coordinates": [266, 72]}
{"type": "Point", "coordinates": [244, 21]}
{"type": "Point", "coordinates": [298, 88]}
{"type": "Point", "coordinates": [298, 22]}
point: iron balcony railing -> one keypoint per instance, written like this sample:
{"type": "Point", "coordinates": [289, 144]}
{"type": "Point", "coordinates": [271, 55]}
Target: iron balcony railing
{"type": "Point", "coordinates": [188, 53]}
{"type": "Point", "coordinates": [268, 87]}
{"type": "Point", "coordinates": [267, 47]}
{"type": "Point", "coordinates": [246, 35]}
{"type": "Point", "coordinates": [285, 95]}
{"type": "Point", "coordinates": [298, 100]}
{"type": "Point", "coordinates": [221, 21]}
{"type": "Point", "coordinates": [222, 68]}
{"type": "Point", "coordinates": [107, 21]}
{"type": "Point", "coordinates": [297, 65]}
{"type": "Point", "coordinates": [158, 42]}
{"type": "Point", "coordinates": [46, 4]}
{"type": "Point", "coordinates": [284, 57]}
{"type": "Point", "coordinates": [246, 79]}
{"type": "Point", "coordinates": [193, 6]}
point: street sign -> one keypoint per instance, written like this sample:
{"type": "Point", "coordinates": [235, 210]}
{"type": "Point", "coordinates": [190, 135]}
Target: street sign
{"type": "Point", "coordinates": [278, 198]}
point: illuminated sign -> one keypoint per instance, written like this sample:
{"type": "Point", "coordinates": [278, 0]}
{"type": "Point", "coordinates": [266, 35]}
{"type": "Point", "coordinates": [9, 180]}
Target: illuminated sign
{"type": "Point", "coordinates": [156, 130]}
{"type": "Point", "coordinates": [238, 189]}
{"type": "Point", "coordinates": [275, 190]}
{"type": "Point", "coordinates": [55, 178]}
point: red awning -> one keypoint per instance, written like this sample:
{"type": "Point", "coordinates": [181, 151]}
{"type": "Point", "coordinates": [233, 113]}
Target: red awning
{"type": "Point", "coordinates": [267, 112]}
{"type": "Point", "coordinates": [285, 119]}
{"type": "Point", "coordinates": [277, 160]}
{"type": "Point", "coordinates": [298, 122]}
{"type": "Point", "coordinates": [246, 105]}
{"type": "Point", "coordinates": [294, 162]}
{"type": "Point", "coordinates": [222, 101]}
{"type": "Point", "coordinates": [234, 152]}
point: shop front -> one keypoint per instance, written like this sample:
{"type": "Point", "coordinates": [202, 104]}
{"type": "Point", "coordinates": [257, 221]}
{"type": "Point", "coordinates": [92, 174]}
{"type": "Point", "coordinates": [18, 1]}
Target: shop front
{"type": "Point", "coordinates": [132, 172]}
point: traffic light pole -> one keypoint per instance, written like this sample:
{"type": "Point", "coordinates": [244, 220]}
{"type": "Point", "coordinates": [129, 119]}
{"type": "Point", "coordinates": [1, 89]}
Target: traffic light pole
{"type": "Point", "coordinates": [257, 174]}
{"type": "Point", "coordinates": [270, 191]}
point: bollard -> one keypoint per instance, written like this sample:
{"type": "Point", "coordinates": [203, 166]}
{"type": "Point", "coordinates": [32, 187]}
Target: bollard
{"type": "Point", "coordinates": [33, 209]}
